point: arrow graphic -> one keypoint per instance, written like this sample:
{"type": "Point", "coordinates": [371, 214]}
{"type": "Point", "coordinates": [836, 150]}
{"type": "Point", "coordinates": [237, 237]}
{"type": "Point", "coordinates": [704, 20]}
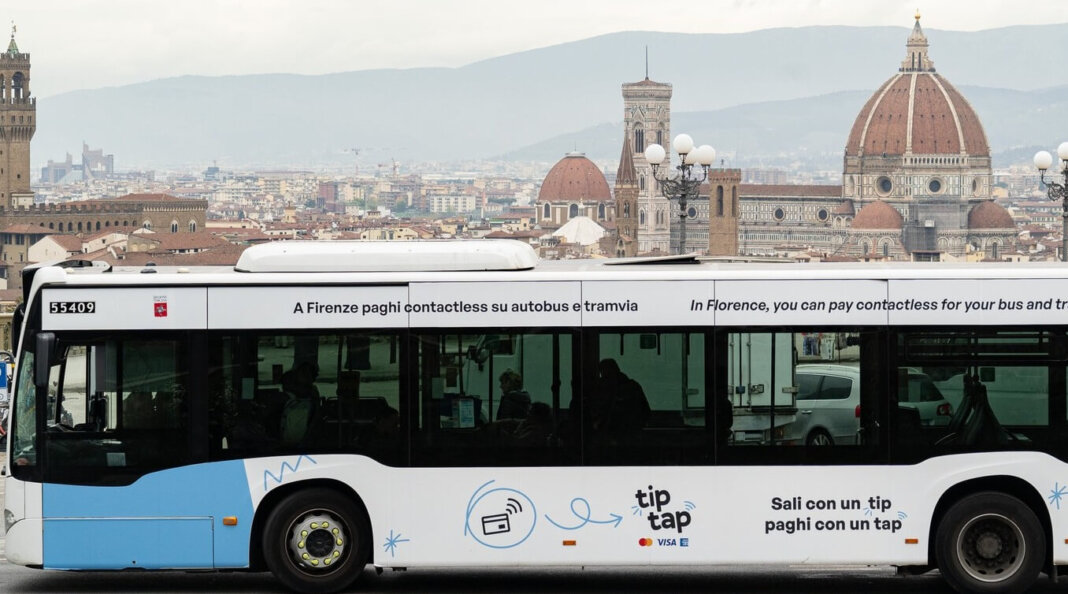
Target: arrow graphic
{"type": "Point", "coordinates": [581, 508]}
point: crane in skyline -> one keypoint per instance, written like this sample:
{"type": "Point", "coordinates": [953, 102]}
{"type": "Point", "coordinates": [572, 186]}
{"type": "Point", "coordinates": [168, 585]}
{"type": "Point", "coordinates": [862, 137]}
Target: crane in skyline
{"type": "Point", "coordinates": [356, 155]}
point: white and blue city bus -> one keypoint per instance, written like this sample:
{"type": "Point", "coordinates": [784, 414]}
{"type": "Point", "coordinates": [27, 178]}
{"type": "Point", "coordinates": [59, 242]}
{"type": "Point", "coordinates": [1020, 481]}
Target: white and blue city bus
{"type": "Point", "coordinates": [327, 405]}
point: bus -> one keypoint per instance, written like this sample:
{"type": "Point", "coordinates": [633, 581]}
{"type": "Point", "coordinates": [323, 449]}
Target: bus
{"type": "Point", "coordinates": [323, 406]}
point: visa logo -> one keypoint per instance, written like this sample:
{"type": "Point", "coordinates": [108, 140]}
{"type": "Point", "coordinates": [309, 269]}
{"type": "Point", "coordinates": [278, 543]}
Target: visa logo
{"type": "Point", "coordinates": [667, 542]}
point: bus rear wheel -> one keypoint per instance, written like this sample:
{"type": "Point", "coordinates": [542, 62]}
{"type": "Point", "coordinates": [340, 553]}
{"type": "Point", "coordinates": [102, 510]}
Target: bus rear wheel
{"type": "Point", "coordinates": [316, 540]}
{"type": "Point", "coordinates": [990, 542]}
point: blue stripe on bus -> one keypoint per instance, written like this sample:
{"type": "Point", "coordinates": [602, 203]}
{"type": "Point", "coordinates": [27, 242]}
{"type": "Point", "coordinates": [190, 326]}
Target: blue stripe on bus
{"type": "Point", "coordinates": [171, 518]}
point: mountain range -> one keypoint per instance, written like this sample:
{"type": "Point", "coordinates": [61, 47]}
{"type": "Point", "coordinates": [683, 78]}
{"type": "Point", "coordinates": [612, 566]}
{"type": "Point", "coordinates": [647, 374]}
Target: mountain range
{"type": "Point", "coordinates": [767, 97]}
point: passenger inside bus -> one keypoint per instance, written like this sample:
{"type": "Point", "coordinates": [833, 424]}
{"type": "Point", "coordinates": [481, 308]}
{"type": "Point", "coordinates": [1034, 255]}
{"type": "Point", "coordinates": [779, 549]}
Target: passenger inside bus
{"type": "Point", "coordinates": [617, 406]}
{"type": "Point", "coordinates": [302, 407]}
{"type": "Point", "coordinates": [515, 402]}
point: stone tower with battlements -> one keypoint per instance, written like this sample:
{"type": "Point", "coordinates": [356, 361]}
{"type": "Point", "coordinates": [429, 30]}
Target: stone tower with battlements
{"type": "Point", "coordinates": [18, 122]}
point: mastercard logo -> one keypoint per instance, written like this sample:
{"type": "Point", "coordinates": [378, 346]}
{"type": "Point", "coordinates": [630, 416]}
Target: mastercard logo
{"type": "Point", "coordinates": [645, 542]}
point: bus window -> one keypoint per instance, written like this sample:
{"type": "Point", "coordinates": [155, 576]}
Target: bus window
{"type": "Point", "coordinates": [117, 409]}
{"type": "Point", "coordinates": [974, 390]}
{"type": "Point", "coordinates": [24, 446]}
{"type": "Point", "coordinates": [495, 399]}
{"type": "Point", "coordinates": [300, 393]}
{"type": "Point", "coordinates": [644, 399]}
{"type": "Point", "coordinates": [794, 388]}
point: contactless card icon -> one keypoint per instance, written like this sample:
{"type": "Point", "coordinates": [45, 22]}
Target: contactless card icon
{"type": "Point", "coordinates": [499, 517]}
{"type": "Point", "coordinates": [495, 524]}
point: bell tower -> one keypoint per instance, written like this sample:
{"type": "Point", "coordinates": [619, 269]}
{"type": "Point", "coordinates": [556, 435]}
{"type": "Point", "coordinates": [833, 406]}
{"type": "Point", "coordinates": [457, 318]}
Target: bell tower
{"type": "Point", "coordinates": [647, 120]}
{"type": "Point", "coordinates": [18, 111]}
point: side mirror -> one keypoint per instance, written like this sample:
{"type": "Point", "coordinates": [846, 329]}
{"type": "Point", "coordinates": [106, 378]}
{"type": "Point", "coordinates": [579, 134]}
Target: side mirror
{"type": "Point", "coordinates": [42, 363]}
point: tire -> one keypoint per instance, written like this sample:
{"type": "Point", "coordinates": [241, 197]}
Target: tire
{"type": "Point", "coordinates": [317, 540]}
{"type": "Point", "coordinates": [990, 542]}
{"type": "Point", "coordinates": [819, 437]}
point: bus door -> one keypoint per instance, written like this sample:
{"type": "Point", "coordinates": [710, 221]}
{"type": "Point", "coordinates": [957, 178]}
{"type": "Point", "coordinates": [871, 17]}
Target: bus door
{"type": "Point", "coordinates": [116, 413]}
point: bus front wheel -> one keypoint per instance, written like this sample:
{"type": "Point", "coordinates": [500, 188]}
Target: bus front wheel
{"type": "Point", "coordinates": [316, 540]}
{"type": "Point", "coordinates": [990, 542]}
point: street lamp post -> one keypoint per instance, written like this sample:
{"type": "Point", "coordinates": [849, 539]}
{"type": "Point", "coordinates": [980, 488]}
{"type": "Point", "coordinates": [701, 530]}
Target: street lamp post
{"type": "Point", "coordinates": [685, 182]}
{"type": "Point", "coordinates": [1056, 191]}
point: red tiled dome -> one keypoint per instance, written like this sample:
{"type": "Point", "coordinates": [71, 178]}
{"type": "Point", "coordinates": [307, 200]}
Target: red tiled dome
{"type": "Point", "coordinates": [878, 215]}
{"type": "Point", "coordinates": [574, 178]}
{"type": "Point", "coordinates": [941, 120]}
{"type": "Point", "coordinates": [989, 215]}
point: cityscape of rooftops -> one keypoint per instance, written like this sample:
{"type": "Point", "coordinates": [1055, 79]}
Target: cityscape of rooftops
{"type": "Point", "coordinates": [840, 133]}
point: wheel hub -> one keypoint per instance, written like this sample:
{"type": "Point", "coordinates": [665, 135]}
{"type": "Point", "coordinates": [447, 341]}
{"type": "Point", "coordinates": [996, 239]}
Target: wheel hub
{"type": "Point", "coordinates": [317, 541]}
{"type": "Point", "coordinates": [991, 548]}
{"type": "Point", "coordinates": [988, 545]}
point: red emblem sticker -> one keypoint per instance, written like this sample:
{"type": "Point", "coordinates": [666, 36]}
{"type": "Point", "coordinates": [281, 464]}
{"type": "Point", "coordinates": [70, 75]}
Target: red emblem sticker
{"type": "Point", "coordinates": [159, 307]}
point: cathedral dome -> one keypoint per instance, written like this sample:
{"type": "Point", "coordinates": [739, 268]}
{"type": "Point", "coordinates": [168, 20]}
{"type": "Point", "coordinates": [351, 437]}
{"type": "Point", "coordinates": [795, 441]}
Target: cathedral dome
{"type": "Point", "coordinates": [877, 215]}
{"type": "Point", "coordinates": [917, 112]}
{"type": "Point", "coordinates": [573, 179]}
{"type": "Point", "coordinates": [990, 215]}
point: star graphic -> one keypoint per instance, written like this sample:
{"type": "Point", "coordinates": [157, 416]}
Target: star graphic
{"type": "Point", "coordinates": [1056, 494]}
{"type": "Point", "coordinates": [392, 541]}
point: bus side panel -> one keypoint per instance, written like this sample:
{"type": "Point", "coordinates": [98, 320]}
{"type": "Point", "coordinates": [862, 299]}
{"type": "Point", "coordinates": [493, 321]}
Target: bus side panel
{"type": "Point", "coordinates": [22, 544]}
{"type": "Point", "coordinates": [664, 516]}
{"type": "Point", "coordinates": [167, 519]}
{"type": "Point", "coordinates": [118, 543]}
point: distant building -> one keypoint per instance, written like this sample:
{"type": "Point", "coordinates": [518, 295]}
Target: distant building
{"type": "Point", "coordinates": [647, 120]}
{"type": "Point", "coordinates": [95, 164]}
{"type": "Point", "coordinates": [626, 196]}
{"type": "Point", "coordinates": [916, 181]}
{"type": "Point", "coordinates": [57, 173]}
{"type": "Point", "coordinates": [18, 115]}
{"type": "Point", "coordinates": [574, 187]}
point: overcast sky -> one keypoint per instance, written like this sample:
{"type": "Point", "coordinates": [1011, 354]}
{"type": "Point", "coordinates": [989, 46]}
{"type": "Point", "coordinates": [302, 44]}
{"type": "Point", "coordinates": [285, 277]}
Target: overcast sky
{"type": "Point", "coordinates": [77, 44]}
